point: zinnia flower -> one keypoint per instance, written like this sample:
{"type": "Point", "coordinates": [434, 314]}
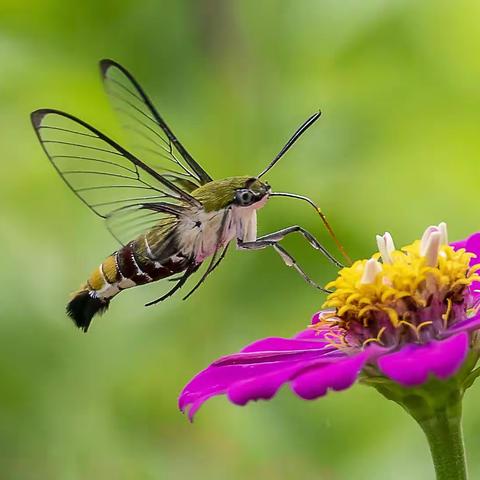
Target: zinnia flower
{"type": "Point", "coordinates": [406, 317]}
{"type": "Point", "coordinates": [403, 321]}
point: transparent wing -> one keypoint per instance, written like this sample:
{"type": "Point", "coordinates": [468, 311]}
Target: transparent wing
{"type": "Point", "coordinates": [149, 134]}
{"type": "Point", "coordinates": [130, 195]}
{"type": "Point", "coordinates": [126, 223]}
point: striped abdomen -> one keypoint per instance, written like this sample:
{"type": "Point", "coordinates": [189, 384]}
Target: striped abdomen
{"type": "Point", "coordinates": [128, 267]}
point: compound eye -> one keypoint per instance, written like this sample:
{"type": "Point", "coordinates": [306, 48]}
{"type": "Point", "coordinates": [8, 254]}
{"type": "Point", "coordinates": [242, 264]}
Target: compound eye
{"type": "Point", "coordinates": [245, 197]}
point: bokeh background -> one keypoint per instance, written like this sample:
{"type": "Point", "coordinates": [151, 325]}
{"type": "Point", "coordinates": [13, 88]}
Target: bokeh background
{"type": "Point", "coordinates": [396, 149]}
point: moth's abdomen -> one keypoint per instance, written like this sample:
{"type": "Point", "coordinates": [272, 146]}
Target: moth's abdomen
{"type": "Point", "coordinates": [124, 269]}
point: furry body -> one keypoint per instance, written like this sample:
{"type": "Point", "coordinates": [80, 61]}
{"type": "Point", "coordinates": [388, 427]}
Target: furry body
{"type": "Point", "coordinates": [165, 251]}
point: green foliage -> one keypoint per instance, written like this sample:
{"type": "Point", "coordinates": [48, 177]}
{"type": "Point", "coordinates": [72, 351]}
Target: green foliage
{"type": "Point", "coordinates": [396, 149]}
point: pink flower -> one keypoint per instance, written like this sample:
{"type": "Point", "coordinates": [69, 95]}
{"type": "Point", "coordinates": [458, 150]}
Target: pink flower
{"type": "Point", "coordinates": [403, 315]}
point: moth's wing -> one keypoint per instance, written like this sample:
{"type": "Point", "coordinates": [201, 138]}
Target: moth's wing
{"type": "Point", "coordinates": [150, 136]}
{"type": "Point", "coordinates": [112, 182]}
{"type": "Point", "coordinates": [126, 223]}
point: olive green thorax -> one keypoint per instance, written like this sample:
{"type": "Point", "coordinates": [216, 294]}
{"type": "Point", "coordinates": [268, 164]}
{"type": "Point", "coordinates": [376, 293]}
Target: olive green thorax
{"type": "Point", "coordinates": [218, 194]}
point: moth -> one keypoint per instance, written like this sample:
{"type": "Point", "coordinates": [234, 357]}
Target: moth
{"type": "Point", "coordinates": [165, 210]}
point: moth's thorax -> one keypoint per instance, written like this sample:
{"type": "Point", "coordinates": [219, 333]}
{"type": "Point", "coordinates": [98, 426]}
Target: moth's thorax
{"type": "Point", "coordinates": [198, 233]}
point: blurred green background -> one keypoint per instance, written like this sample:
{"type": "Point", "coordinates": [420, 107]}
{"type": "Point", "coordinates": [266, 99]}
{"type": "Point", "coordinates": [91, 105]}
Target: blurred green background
{"type": "Point", "coordinates": [396, 149]}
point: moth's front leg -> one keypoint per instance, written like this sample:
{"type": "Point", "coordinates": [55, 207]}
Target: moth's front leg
{"type": "Point", "coordinates": [272, 240]}
{"type": "Point", "coordinates": [281, 234]}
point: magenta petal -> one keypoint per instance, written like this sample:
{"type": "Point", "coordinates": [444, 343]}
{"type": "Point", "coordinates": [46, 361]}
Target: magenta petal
{"type": "Point", "coordinates": [195, 405]}
{"type": "Point", "coordinates": [318, 316]}
{"type": "Point", "coordinates": [264, 387]}
{"type": "Point", "coordinates": [254, 374]}
{"type": "Point", "coordinates": [258, 371]}
{"type": "Point", "coordinates": [413, 364]}
{"type": "Point", "coordinates": [311, 334]}
{"type": "Point", "coordinates": [279, 344]}
{"type": "Point", "coordinates": [340, 375]}
{"type": "Point", "coordinates": [473, 246]}
{"type": "Point", "coordinates": [274, 358]}
{"type": "Point", "coordinates": [468, 325]}
{"type": "Point", "coordinates": [260, 388]}
{"type": "Point", "coordinates": [216, 380]}
{"type": "Point", "coordinates": [459, 244]}
{"type": "Point", "coordinates": [318, 335]}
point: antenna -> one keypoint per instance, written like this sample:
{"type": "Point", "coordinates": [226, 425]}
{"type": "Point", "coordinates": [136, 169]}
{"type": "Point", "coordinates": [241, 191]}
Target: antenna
{"type": "Point", "coordinates": [322, 216]}
{"type": "Point", "coordinates": [310, 121]}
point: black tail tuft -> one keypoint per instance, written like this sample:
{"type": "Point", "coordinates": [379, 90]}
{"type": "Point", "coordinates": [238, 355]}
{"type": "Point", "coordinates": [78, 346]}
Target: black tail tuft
{"type": "Point", "coordinates": [82, 308]}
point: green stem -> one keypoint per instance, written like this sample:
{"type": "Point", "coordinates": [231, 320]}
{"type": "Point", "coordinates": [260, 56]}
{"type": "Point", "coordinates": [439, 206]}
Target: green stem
{"type": "Point", "coordinates": [445, 438]}
{"type": "Point", "coordinates": [437, 407]}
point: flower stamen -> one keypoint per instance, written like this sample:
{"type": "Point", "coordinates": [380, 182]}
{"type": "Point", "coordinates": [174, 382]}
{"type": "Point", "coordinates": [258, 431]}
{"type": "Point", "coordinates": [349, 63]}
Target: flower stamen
{"type": "Point", "coordinates": [447, 313]}
{"type": "Point", "coordinates": [409, 325]}
{"type": "Point", "coordinates": [423, 324]}
{"type": "Point", "coordinates": [386, 247]}
{"type": "Point", "coordinates": [370, 272]}
{"type": "Point", "coordinates": [377, 339]}
{"type": "Point", "coordinates": [432, 249]}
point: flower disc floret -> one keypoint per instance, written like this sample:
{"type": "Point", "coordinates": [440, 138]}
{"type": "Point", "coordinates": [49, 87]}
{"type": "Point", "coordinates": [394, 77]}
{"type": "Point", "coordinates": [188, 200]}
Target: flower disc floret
{"type": "Point", "coordinates": [415, 295]}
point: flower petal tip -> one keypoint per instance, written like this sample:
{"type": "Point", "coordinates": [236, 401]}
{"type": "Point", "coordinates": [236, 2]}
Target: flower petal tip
{"type": "Point", "coordinates": [190, 408]}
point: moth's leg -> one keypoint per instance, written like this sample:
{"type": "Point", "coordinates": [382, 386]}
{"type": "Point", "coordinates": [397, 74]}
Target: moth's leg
{"type": "Point", "coordinates": [212, 266]}
{"type": "Point", "coordinates": [288, 259]}
{"type": "Point", "coordinates": [192, 267]}
{"type": "Point", "coordinates": [281, 234]}
{"type": "Point", "coordinates": [291, 262]}
{"type": "Point", "coordinates": [210, 269]}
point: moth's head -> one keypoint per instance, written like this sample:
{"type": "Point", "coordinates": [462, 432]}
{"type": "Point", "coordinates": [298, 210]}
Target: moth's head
{"type": "Point", "coordinates": [239, 192]}
{"type": "Point", "coordinates": [250, 192]}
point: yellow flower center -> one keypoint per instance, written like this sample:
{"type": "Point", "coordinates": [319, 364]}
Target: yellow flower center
{"type": "Point", "coordinates": [416, 294]}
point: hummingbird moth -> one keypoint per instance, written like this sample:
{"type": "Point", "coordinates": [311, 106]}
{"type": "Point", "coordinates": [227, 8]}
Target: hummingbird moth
{"type": "Point", "coordinates": [165, 210]}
